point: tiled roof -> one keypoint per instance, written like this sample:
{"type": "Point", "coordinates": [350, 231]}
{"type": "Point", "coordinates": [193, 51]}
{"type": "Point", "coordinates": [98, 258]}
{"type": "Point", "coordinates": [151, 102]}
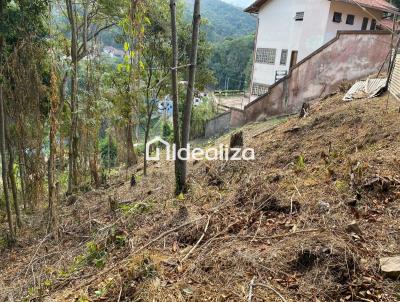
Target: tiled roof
{"type": "Point", "coordinates": [387, 24]}
{"type": "Point", "coordinates": [381, 5]}
{"type": "Point", "coordinates": [377, 4]}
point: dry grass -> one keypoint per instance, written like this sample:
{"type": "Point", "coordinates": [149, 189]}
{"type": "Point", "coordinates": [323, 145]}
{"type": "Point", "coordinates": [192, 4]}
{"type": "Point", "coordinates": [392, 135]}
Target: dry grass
{"type": "Point", "coordinates": [281, 219]}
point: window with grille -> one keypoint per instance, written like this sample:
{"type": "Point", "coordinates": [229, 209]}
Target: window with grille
{"type": "Point", "coordinates": [337, 17]}
{"type": "Point", "coordinates": [259, 89]}
{"type": "Point", "coordinates": [373, 24]}
{"type": "Point", "coordinates": [364, 24]}
{"type": "Point", "coordinates": [350, 19]}
{"type": "Point", "coordinates": [284, 56]}
{"type": "Point", "coordinates": [299, 16]}
{"type": "Point", "coordinates": [266, 55]}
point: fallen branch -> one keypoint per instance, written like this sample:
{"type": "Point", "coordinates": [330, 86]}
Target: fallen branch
{"type": "Point", "coordinates": [252, 285]}
{"type": "Point", "coordinates": [34, 255]}
{"type": "Point", "coordinates": [167, 233]}
{"type": "Point", "coordinates": [277, 236]}
{"type": "Point", "coordinates": [271, 288]}
{"type": "Point", "coordinates": [198, 242]}
{"type": "Point", "coordinates": [126, 260]}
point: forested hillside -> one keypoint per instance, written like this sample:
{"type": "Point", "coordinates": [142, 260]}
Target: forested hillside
{"type": "Point", "coordinates": [223, 20]}
{"type": "Point", "coordinates": [240, 3]}
{"type": "Point", "coordinates": [231, 62]}
{"type": "Point", "coordinates": [231, 32]}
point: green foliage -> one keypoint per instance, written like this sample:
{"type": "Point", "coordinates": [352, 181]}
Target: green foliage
{"type": "Point", "coordinates": [233, 59]}
{"type": "Point", "coordinates": [200, 115]}
{"type": "Point", "coordinates": [396, 3]}
{"type": "Point", "coordinates": [300, 163]}
{"type": "Point", "coordinates": [222, 20]}
{"type": "Point", "coordinates": [168, 131]}
{"type": "Point", "coordinates": [94, 256]}
{"type": "Point", "coordinates": [145, 269]}
{"type": "Point", "coordinates": [23, 18]}
{"type": "Point", "coordinates": [136, 208]}
{"type": "Point", "coordinates": [108, 150]}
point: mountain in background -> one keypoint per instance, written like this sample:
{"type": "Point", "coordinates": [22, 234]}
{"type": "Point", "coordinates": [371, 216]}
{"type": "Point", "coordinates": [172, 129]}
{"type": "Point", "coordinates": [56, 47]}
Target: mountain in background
{"type": "Point", "coordinates": [240, 3]}
{"type": "Point", "coordinates": [223, 20]}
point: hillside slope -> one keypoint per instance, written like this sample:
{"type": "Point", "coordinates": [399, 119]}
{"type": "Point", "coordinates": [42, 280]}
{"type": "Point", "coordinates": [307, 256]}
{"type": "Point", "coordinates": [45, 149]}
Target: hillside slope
{"type": "Point", "coordinates": [284, 221]}
{"type": "Point", "coordinates": [223, 20]}
{"type": "Point", "coordinates": [240, 3]}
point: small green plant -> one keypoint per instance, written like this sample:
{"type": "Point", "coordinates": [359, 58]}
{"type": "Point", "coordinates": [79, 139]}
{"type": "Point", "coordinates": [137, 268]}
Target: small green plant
{"type": "Point", "coordinates": [47, 283]}
{"type": "Point", "coordinates": [341, 186]}
{"type": "Point", "coordinates": [120, 240]}
{"type": "Point", "coordinates": [83, 299]}
{"type": "Point", "coordinates": [94, 255]}
{"type": "Point", "coordinates": [101, 292]}
{"type": "Point", "coordinates": [300, 163]}
{"type": "Point", "coordinates": [146, 269]}
{"type": "Point", "coordinates": [137, 208]}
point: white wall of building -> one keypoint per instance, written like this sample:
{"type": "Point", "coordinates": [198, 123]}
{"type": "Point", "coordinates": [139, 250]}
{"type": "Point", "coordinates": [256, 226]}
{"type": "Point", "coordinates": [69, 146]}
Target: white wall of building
{"type": "Point", "coordinates": [279, 30]}
{"type": "Point", "coordinates": [348, 9]}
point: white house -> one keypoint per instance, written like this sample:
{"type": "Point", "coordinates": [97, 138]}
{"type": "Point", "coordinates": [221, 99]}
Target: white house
{"type": "Point", "coordinates": [290, 30]}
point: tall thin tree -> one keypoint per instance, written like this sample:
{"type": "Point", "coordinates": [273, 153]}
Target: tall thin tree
{"type": "Point", "coordinates": [2, 135]}
{"type": "Point", "coordinates": [13, 181]}
{"type": "Point", "coordinates": [175, 100]}
{"type": "Point", "coordinates": [187, 114]}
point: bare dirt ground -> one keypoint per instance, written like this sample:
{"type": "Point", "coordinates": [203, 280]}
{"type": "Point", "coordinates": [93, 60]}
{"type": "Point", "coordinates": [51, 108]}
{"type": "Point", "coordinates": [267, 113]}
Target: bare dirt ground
{"type": "Point", "coordinates": [280, 228]}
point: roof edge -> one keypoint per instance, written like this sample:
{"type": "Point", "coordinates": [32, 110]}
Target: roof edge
{"type": "Point", "coordinates": [255, 7]}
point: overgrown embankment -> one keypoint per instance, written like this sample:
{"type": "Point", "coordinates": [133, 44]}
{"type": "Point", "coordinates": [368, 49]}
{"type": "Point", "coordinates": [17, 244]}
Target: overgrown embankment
{"type": "Point", "coordinates": [308, 220]}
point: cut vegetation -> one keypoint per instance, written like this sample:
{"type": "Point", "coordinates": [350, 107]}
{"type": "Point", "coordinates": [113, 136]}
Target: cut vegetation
{"type": "Point", "coordinates": [308, 220]}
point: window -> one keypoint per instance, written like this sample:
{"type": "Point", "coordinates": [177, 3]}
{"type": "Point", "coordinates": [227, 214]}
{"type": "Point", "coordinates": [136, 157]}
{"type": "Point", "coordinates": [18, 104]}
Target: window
{"type": "Point", "coordinates": [364, 24]}
{"type": "Point", "coordinates": [259, 89]}
{"type": "Point", "coordinates": [373, 24]}
{"type": "Point", "coordinates": [284, 55]}
{"type": "Point", "coordinates": [337, 17]}
{"type": "Point", "coordinates": [299, 16]}
{"type": "Point", "coordinates": [350, 19]}
{"type": "Point", "coordinates": [266, 55]}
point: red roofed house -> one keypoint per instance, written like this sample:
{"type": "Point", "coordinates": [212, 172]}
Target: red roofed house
{"type": "Point", "coordinates": [290, 30]}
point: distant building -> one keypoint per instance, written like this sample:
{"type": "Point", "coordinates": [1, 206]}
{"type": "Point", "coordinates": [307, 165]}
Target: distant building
{"type": "Point", "coordinates": [290, 30]}
{"type": "Point", "coordinates": [166, 107]}
{"type": "Point", "coordinates": [113, 52]}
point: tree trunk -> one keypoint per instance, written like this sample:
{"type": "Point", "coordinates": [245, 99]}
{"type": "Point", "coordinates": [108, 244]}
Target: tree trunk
{"type": "Point", "coordinates": [53, 150]}
{"type": "Point", "coordinates": [190, 91]}
{"type": "Point", "coordinates": [4, 163]}
{"type": "Point", "coordinates": [73, 139]}
{"type": "Point", "coordinates": [109, 152]}
{"type": "Point", "coordinates": [174, 74]}
{"type": "Point", "coordinates": [21, 167]}
{"type": "Point", "coordinates": [131, 158]}
{"type": "Point", "coordinates": [94, 172]}
{"type": "Point", "coordinates": [13, 183]}
{"type": "Point", "coordinates": [146, 139]}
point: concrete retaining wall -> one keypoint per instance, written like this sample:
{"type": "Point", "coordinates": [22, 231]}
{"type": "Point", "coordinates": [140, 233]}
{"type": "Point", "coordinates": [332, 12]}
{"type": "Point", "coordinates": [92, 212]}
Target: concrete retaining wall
{"type": "Point", "coordinates": [225, 122]}
{"type": "Point", "coordinates": [218, 125]}
{"type": "Point", "coordinates": [350, 56]}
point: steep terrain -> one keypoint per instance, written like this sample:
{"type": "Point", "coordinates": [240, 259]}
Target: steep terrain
{"type": "Point", "coordinates": [306, 221]}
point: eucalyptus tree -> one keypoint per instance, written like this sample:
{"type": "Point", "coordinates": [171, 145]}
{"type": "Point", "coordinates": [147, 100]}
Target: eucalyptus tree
{"type": "Point", "coordinates": [87, 20]}
{"type": "Point", "coordinates": [22, 85]}
{"type": "Point", "coordinates": [183, 139]}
